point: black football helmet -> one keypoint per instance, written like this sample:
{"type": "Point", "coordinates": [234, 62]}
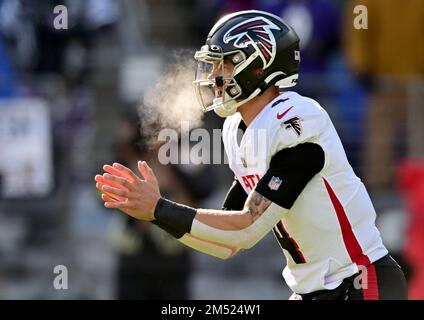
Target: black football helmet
{"type": "Point", "coordinates": [259, 50]}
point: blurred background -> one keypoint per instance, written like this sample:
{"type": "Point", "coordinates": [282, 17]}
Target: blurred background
{"type": "Point", "coordinates": [71, 100]}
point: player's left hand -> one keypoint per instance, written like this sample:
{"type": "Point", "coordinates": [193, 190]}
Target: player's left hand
{"type": "Point", "coordinates": [124, 190]}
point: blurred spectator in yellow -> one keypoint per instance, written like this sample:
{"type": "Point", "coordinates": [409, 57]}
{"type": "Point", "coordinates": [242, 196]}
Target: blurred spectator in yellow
{"type": "Point", "coordinates": [388, 58]}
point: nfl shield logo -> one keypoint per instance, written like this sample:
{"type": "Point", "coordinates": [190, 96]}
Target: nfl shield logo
{"type": "Point", "coordinates": [275, 183]}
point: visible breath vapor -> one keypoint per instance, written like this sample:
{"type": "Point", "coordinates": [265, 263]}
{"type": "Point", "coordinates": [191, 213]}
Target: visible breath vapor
{"type": "Point", "coordinates": [170, 101]}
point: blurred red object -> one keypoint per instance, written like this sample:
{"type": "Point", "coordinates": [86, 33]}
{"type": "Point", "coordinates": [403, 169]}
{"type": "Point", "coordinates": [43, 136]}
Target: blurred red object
{"type": "Point", "coordinates": [411, 183]}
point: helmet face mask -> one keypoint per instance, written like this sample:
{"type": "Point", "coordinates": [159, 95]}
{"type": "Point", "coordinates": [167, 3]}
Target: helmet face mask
{"type": "Point", "coordinates": [237, 47]}
{"type": "Point", "coordinates": [215, 85]}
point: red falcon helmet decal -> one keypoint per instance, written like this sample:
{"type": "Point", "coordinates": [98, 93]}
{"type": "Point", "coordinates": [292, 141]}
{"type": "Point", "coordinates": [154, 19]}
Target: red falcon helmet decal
{"type": "Point", "coordinates": [256, 32]}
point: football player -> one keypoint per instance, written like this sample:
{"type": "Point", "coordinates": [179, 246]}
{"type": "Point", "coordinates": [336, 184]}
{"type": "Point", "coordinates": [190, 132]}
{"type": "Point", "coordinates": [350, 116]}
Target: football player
{"type": "Point", "coordinates": [292, 176]}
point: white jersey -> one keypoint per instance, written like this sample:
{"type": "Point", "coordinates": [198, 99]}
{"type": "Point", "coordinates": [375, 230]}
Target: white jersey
{"type": "Point", "coordinates": [329, 232]}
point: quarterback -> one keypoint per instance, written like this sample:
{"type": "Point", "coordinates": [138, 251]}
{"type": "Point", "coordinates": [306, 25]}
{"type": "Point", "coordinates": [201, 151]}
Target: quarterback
{"type": "Point", "coordinates": [292, 176]}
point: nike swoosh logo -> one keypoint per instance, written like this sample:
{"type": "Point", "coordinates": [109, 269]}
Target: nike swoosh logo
{"type": "Point", "coordinates": [280, 116]}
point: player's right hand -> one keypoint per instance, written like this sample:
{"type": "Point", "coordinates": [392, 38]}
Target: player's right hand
{"type": "Point", "coordinates": [124, 190]}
